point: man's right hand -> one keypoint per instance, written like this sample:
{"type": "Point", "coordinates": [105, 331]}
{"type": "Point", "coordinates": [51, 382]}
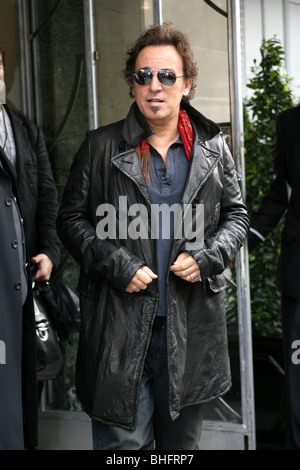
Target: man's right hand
{"type": "Point", "coordinates": [140, 281]}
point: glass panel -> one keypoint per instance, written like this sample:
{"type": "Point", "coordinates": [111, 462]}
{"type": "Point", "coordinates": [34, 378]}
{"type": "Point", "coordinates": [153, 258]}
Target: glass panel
{"type": "Point", "coordinates": [273, 20]}
{"type": "Point", "coordinates": [293, 41]}
{"type": "Point", "coordinates": [207, 28]}
{"type": "Point", "coordinates": [61, 103]}
{"type": "Point", "coordinates": [62, 77]}
{"type": "Point", "coordinates": [117, 24]}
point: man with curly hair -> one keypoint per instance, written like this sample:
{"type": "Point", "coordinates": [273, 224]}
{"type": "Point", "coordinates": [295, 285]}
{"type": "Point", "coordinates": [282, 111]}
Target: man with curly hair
{"type": "Point", "coordinates": [153, 343]}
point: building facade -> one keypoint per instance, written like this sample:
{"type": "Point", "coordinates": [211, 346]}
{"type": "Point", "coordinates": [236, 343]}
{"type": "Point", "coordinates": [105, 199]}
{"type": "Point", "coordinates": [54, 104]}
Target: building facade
{"type": "Point", "coordinates": [64, 70]}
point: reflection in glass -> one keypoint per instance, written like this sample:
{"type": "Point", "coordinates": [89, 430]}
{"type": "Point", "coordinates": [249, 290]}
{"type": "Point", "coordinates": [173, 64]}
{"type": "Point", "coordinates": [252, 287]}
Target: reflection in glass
{"type": "Point", "coordinates": [117, 24]}
{"type": "Point", "coordinates": [208, 32]}
{"type": "Point", "coordinates": [61, 99]}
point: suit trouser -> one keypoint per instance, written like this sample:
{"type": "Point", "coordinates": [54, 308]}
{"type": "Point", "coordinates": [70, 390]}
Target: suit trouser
{"type": "Point", "coordinates": [290, 308]}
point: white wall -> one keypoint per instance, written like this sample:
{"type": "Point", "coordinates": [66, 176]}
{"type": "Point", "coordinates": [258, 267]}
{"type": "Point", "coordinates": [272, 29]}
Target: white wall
{"type": "Point", "coordinates": [264, 19]}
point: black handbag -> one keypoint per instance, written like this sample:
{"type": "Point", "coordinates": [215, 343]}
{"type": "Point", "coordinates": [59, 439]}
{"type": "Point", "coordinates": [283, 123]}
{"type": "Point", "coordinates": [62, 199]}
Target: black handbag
{"type": "Point", "coordinates": [49, 355]}
{"type": "Point", "coordinates": [63, 307]}
{"type": "Point", "coordinates": [57, 317]}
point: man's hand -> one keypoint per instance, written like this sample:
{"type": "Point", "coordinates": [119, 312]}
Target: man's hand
{"type": "Point", "coordinates": [186, 267]}
{"type": "Point", "coordinates": [42, 268]}
{"type": "Point", "coordinates": [140, 281]}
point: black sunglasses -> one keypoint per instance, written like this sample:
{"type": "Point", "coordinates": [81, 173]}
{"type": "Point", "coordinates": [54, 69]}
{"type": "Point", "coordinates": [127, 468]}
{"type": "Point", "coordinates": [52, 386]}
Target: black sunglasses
{"type": "Point", "coordinates": [166, 77]}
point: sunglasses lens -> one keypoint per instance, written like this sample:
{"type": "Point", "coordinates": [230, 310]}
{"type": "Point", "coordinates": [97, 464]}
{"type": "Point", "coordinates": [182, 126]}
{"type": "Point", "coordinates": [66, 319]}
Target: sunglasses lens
{"type": "Point", "coordinates": [143, 77]}
{"type": "Point", "coordinates": [167, 78]}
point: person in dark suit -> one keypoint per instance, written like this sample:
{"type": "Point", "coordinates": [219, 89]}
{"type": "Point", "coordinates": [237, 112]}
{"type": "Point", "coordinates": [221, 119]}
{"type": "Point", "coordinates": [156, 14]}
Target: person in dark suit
{"type": "Point", "coordinates": [283, 200]}
{"type": "Point", "coordinates": [29, 248]}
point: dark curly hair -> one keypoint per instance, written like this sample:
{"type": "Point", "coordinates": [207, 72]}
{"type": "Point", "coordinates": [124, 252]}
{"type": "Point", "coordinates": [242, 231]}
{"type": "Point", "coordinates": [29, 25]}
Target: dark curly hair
{"type": "Point", "coordinates": [166, 35]}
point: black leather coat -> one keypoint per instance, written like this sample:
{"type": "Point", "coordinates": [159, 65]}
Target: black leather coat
{"type": "Point", "coordinates": [116, 326]}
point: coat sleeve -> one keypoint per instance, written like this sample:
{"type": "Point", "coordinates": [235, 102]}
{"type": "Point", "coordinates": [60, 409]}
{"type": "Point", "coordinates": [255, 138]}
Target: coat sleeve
{"type": "Point", "coordinates": [274, 204]}
{"type": "Point", "coordinates": [221, 246]}
{"type": "Point", "coordinates": [47, 204]}
{"type": "Point", "coordinates": [76, 228]}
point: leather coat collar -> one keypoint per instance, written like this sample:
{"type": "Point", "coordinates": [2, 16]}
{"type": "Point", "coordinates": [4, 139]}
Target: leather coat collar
{"type": "Point", "coordinates": [136, 128]}
{"type": "Point", "coordinates": [204, 158]}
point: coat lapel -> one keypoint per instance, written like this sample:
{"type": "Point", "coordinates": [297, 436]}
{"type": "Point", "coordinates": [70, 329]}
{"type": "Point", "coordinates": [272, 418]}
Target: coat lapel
{"type": "Point", "coordinates": [8, 167]}
{"type": "Point", "coordinates": [203, 163]}
{"type": "Point", "coordinates": [23, 149]}
{"type": "Point", "coordinates": [129, 164]}
{"type": "Point", "coordinates": [203, 159]}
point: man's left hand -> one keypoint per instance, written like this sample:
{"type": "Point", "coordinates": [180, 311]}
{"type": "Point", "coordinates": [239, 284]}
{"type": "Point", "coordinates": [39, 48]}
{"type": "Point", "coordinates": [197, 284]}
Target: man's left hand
{"type": "Point", "coordinates": [186, 267]}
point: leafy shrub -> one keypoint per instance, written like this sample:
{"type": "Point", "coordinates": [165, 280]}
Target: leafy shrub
{"type": "Point", "coordinates": [270, 95]}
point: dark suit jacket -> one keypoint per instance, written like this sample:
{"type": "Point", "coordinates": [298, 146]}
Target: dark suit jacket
{"type": "Point", "coordinates": [36, 188]}
{"type": "Point", "coordinates": [283, 200]}
{"type": "Point", "coordinates": [33, 186]}
{"type": "Point", "coordinates": [18, 385]}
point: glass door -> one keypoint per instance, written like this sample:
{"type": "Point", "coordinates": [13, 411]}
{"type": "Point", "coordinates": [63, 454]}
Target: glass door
{"type": "Point", "coordinates": [213, 27]}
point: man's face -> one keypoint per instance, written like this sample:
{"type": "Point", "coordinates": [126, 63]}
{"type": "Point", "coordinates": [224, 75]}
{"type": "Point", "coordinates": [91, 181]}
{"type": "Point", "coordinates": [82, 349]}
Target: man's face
{"type": "Point", "coordinates": [159, 103]}
{"type": "Point", "coordinates": [1, 69]}
{"type": "Point", "coordinates": [2, 85]}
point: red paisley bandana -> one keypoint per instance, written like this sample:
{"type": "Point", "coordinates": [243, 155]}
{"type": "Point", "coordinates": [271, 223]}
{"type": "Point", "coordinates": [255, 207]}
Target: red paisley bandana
{"type": "Point", "coordinates": [186, 133]}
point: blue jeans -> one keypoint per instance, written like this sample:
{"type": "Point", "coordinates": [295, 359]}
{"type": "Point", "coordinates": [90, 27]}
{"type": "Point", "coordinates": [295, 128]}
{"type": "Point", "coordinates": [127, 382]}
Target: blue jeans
{"type": "Point", "coordinates": [154, 428]}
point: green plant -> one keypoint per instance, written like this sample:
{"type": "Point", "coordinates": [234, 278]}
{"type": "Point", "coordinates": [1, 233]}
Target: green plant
{"type": "Point", "coordinates": [270, 95]}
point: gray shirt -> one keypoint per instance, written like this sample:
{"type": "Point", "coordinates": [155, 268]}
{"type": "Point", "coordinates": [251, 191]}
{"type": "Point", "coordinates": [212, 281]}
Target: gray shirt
{"type": "Point", "coordinates": [167, 188]}
{"type": "Point", "coordinates": [7, 140]}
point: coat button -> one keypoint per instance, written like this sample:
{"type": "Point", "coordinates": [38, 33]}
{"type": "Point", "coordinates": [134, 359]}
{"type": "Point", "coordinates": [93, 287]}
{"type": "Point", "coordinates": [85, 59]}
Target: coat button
{"type": "Point", "coordinates": [14, 244]}
{"type": "Point", "coordinates": [8, 201]}
{"type": "Point", "coordinates": [18, 286]}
